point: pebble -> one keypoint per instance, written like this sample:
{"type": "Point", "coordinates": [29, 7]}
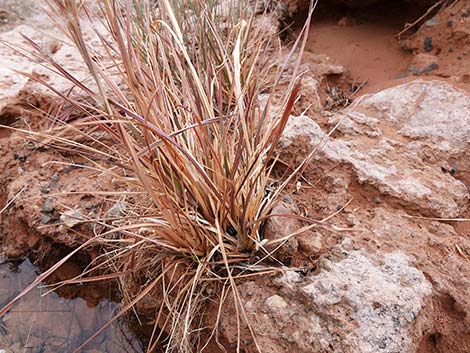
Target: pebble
{"type": "Point", "coordinates": [276, 302]}
{"type": "Point", "coordinates": [428, 44]}
{"type": "Point", "coordinates": [432, 22]}
{"type": "Point", "coordinates": [48, 206]}
{"type": "Point", "coordinates": [71, 218]}
{"type": "Point", "coordinates": [45, 219]}
{"type": "Point", "coordinates": [423, 63]}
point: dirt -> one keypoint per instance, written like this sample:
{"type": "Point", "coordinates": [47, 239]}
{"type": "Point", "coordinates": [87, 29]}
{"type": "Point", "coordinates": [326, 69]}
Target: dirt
{"type": "Point", "coordinates": [367, 44]}
{"type": "Point", "coordinates": [364, 43]}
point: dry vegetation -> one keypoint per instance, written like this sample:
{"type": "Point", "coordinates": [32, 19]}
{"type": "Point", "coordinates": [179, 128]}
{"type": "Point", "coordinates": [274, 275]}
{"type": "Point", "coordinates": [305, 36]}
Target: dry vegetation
{"type": "Point", "coordinates": [176, 104]}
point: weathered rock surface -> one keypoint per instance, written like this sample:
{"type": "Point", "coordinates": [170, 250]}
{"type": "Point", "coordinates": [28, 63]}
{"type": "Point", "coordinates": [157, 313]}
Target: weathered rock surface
{"type": "Point", "coordinates": [358, 302]}
{"type": "Point", "coordinates": [16, 53]}
{"type": "Point", "coordinates": [413, 131]}
{"type": "Point", "coordinates": [280, 229]}
{"type": "Point", "coordinates": [402, 150]}
{"type": "Point", "coordinates": [439, 250]}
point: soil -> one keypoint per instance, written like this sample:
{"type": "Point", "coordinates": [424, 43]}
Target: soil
{"type": "Point", "coordinates": [364, 42]}
{"type": "Point", "coordinates": [367, 44]}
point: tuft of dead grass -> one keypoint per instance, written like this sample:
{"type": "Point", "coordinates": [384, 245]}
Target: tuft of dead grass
{"type": "Point", "coordinates": [177, 96]}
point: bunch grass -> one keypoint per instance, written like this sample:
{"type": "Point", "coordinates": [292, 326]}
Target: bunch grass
{"type": "Point", "coordinates": [175, 89]}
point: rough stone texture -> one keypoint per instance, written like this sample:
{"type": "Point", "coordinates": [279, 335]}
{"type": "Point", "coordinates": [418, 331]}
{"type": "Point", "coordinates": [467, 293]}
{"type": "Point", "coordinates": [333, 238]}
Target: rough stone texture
{"type": "Point", "coordinates": [439, 251]}
{"type": "Point", "coordinates": [387, 300]}
{"type": "Point", "coordinates": [405, 123]}
{"type": "Point", "coordinates": [15, 53]}
{"type": "Point", "coordinates": [358, 302]}
{"type": "Point", "coordinates": [430, 110]}
{"type": "Point", "coordinates": [280, 227]}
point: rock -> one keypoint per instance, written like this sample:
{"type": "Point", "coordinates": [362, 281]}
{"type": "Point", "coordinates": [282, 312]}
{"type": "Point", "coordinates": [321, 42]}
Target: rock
{"type": "Point", "coordinates": [428, 44]}
{"type": "Point", "coordinates": [435, 246]}
{"type": "Point", "coordinates": [310, 242]}
{"type": "Point", "coordinates": [116, 211]}
{"type": "Point", "coordinates": [323, 65]}
{"type": "Point", "coordinates": [432, 22]}
{"type": "Point", "coordinates": [17, 87]}
{"type": "Point", "coordinates": [433, 111]}
{"type": "Point", "coordinates": [48, 206]}
{"type": "Point", "coordinates": [358, 302]}
{"type": "Point", "coordinates": [45, 219]}
{"type": "Point", "coordinates": [278, 227]}
{"type": "Point", "coordinates": [276, 302]}
{"type": "Point", "coordinates": [423, 63]}
{"type": "Point", "coordinates": [72, 217]}
{"type": "Point", "coordinates": [387, 300]}
{"type": "Point", "coordinates": [432, 120]}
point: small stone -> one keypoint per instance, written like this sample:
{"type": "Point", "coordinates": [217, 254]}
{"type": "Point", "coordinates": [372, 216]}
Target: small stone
{"type": "Point", "coordinates": [310, 242]}
{"type": "Point", "coordinates": [429, 68]}
{"type": "Point", "coordinates": [276, 302]}
{"type": "Point", "coordinates": [428, 44]}
{"type": "Point", "coordinates": [414, 70]}
{"type": "Point", "coordinates": [323, 65]}
{"type": "Point", "coordinates": [351, 220]}
{"type": "Point", "coordinates": [432, 22]}
{"type": "Point", "coordinates": [48, 206]}
{"type": "Point", "coordinates": [19, 157]}
{"type": "Point", "coordinates": [403, 75]}
{"type": "Point", "coordinates": [279, 227]}
{"type": "Point", "coordinates": [45, 218]}
{"type": "Point", "coordinates": [117, 210]}
{"type": "Point", "coordinates": [71, 218]}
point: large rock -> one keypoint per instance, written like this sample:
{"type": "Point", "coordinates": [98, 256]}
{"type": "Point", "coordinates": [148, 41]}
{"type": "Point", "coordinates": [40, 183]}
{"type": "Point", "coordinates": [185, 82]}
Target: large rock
{"type": "Point", "coordinates": [358, 302]}
{"type": "Point", "coordinates": [440, 251]}
{"type": "Point", "coordinates": [17, 54]}
{"type": "Point", "coordinates": [401, 141]}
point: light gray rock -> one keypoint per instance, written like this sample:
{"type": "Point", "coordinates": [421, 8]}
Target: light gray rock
{"type": "Point", "coordinates": [430, 110]}
{"type": "Point", "coordinates": [359, 302]}
{"type": "Point", "coordinates": [386, 299]}
{"type": "Point", "coordinates": [15, 54]}
{"type": "Point", "coordinates": [391, 173]}
{"type": "Point", "coordinates": [398, 140]}
{"type": "Point", "coordinates": [72, 217]}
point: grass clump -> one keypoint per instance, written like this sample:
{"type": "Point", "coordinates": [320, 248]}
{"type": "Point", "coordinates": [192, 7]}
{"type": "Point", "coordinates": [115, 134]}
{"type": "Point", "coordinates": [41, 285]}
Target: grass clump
{"type": "Point", "coordinates": [175, 89]}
